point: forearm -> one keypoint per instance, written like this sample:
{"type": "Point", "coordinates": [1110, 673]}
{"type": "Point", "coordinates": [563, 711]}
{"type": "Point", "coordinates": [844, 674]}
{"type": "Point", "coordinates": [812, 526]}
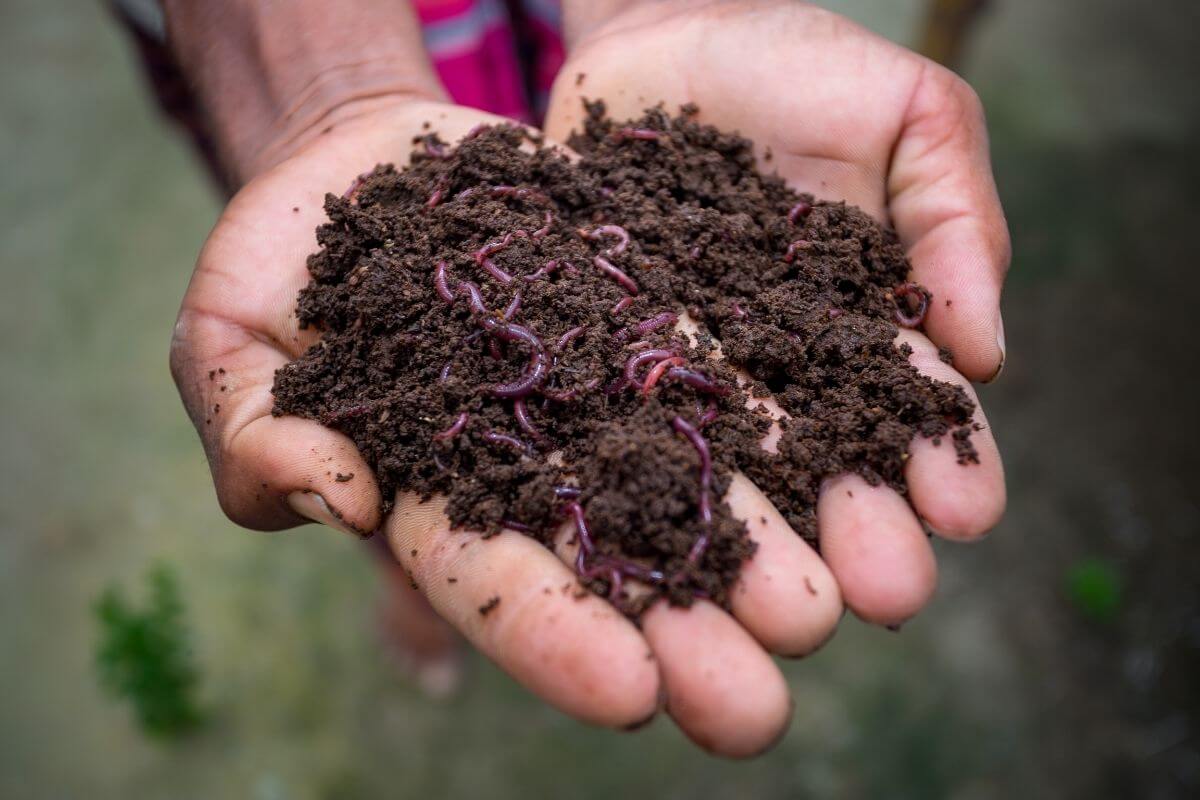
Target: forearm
{"type": "Point", "coordinates": [271, 75]}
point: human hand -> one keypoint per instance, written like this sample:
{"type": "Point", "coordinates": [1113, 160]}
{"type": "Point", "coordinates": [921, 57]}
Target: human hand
{"type": "Point", "coordinates": [845, 115]}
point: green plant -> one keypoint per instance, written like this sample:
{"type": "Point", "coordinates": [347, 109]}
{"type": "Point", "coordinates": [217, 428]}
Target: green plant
{"type": "Point", "coordinates": [143, 655]}
{"type": "Point", "coordinates": [1094, 587]}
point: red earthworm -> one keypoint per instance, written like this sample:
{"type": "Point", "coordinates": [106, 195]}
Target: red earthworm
{"type": "Point", "coordinates": [483, 255]}
{"type": "Point", "coordinates": [799, 211]}
{"type": "Point", "coordinates": [494, 350]}
{"type": "Point", "coordinates": [495, 437]}
{"type": "Point", "coordinates": [738, 311]}
{"type": "Point", "coordinates": [521, 194]}
{"type": "Point", "coordinates": [439, 193]}
{"type": "Point", "coordinates": [616, 274]}
{"type": "Point", "coordinates": [710, 414]}
{"type": "Point", "coordinates": [454, 430]}
{"type": "Point", "coordinates": [478, 129]}
{"type": "Point", "coordinates": [535, 372]}
{"type": "Point", "coordinates": [568, 337]}
{"type": "Point", "coordinates": [440, 284]}
{"type": "Point", "coordinates": [445, 373]}
{"type": "Point", "coordinates": [609, 230]}
{"type": "Point", "coordinates": [834, 313]}
{"type": "Point", "coordinates": [513, 307]}
{"type": "Point", "coordinates": [355, 185]}
{"type": "Point", "coordinates": [652, 324]}
{"type": "Point", "coordinates": [621, 305]}
{"type": "Point", "coordinates": [581, 532]}
{"type": "Point", "coordinates": [465, 193]}
{"type": "Point", "coordinates": [644, 134]}
{"type": "Point", "coordinates": [694, 253]}
{"type": "Point", "coordinates": [799, 244]}
{"type": "Point", "coordinates": [551, 266]}
{"type": "Point", "coordinates": [490, 268]}
{"type": "Point", "coordinates": [914, 318]}
{"type": "Point", "coordinates": [640, 344]}
{"type": "Point", "coordinates": [545, 229]}
{"type": "Point", "coordinates": [657, 371]}
{"type": "Point", "coordinates": [516, 526]}
{"type": "Point", "coordinates": [356, 410]}
{"type": "Point", "coordinates": [434, 149]}
{"type": "Point", "coordinates": [636, 361]}
{"type": "Point", "coordinates": [522, 415]}
{"type": "Point", "coordinates": [697, 380]}
{"type": "Point", "coordinates": [567, 492]}
{"type": "Point", "coordinates": [682, 426]}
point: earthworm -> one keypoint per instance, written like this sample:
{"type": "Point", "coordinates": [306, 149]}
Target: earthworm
{"type": "Point", "coordinates": [439, 193]}
{"type": "Point", "coordinates": [581, 532]}
{"type": "Point", "coordinates": [569, 337]}
{"type": "Point", "coordinates": [513, 307]}
{"type": "Point", "coordinates": [636, 361]}
{"type": "Point", "coordinates": [542, 231]}
{"type": "Point", "coordinates": [620, 306]}
{"type": "Point", "coordinates": [535, 372]}
{"type": "Point", "coordinates": [738, 311]}
{"type": "Point", "coordinates": [440, 284]}
{"type": "Point", "coordinates": [609, 230]}
{"type": "Point", "coordinates": [516, 526]}
{"type": "Point", "coordinates": [915, 318]}
{"type": "Point", "coordinates": [644, 134]}
{"type": "Point", "coordinates": [490, 268]}
{"type": "Point", "coordinates": [494, 350]}
{"type": "Point", "coordinates": [567, 492]}
{"type": "Point", "coordinates": [522, 415]}
{"type": "Point", "coordinates": [616, 274]}
{"type": "Point", "coordinates": [694, 253]}
{"type": "Point", "coordinates": [682, 426]}
{"type": "Point", "coordinates": [356, 410]}
{"type": "Point", "coordinates": [657, 371]}
{"type": "Point", "coordinates": [521, 193]}
{"type": "Point", "coordinates": [355, 185]}
{"type": "Point", "coordinates": [455, 429]}
{"type": "Point", "coordinates": [445, 373]}
{"type": "Point", "coordinates": [496, 437]}
{"type": "Point", "coordinates": [434, 149]}
{"type": "Point", "coordinates": [652, 324]}
{"type": "Point", "coordinates": [478, 129]}
{"type": "Point", "coordinates": [465, 193]}
{"type": "Point", "coordinates": [551, 266]}
{"type": "Point", "coordinates": [710, 414]}
{"type": "Point", "coordinates": [697, 380]}
{"type": "Point", "coordinates": [834, 313]}
{"type": "Point", "coordinates": [799, 244]}
{"type": "Point", "coordinates": [799, 211]}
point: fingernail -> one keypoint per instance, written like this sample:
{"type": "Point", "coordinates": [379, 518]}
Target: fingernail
{"type": "Point", "coordinates": [311, 505]}
{"type": "Point", "coordinates": [1003, 352]}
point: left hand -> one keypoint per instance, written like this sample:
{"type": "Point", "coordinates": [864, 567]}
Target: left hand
{"type": "Point", "coordinates": [845, 115]}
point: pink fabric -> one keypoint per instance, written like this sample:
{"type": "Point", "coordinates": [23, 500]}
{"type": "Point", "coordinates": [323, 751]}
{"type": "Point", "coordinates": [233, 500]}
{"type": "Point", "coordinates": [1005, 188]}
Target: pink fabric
{"type": "Point", "coordinates": [494, 55]}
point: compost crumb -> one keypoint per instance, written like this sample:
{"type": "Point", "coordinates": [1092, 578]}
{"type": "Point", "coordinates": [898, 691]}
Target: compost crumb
{"type": "Point", "coordinates": [498, 327]}
{"type": "Point", "coordinates": [489, 606]}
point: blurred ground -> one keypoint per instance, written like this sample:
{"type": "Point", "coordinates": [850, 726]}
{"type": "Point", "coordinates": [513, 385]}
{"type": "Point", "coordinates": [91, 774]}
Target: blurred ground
{"type": "Point", "coordinates": [1003, 688]}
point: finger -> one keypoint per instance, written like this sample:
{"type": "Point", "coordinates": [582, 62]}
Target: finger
{"type": "Point", "coordinates": [945, 208]}
{"type": "Point", "coordinates": [957, 501]}
{"type": "Point", "coordinates": [270, 472]}
{"type": "Point", "coordinates": [876, 549]}
{"type": "Point", "coordinates": [573, 650]}
{"type": "Point", "coordinates": [723, 690]}
{"type": "Point", "coordinates": [786, 596]}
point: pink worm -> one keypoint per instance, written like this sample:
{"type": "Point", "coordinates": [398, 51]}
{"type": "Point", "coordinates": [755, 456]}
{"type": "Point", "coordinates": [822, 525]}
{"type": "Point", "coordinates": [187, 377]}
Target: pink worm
{"type": "Point", "coordinates": [455, 429]}
{"type": "Point", "coordinates": [496, 437]}
{"type": "Point", "coordinates": [522, 415]}
{"type": "Point", "coordinates": [799, 211]}
{"type": "Point", "coordinates": [799, 244]}
{"type": "Point", "coordinates": [616, 274]}
{"type": "Point", "coordinates": [697, 380]}
{"type": "Point", "coordinates": [652, 324]}
{"type": "Point", "coordinates": [545, 229]}
{"type": "Point", "coordinates": [620, 306]}
{"type": "Point", "coordinates": [636, 361]}
{"type": "Point", "coordinates": [610, 230]}
{"type": "Point", "coordinates": [682, 426]}
{"type": "Point", "coordinates": [656, 372]}
{"type": "Point", "coordinates": [645, 134]}
{"type": "Point", "coordinates": [911, 320]}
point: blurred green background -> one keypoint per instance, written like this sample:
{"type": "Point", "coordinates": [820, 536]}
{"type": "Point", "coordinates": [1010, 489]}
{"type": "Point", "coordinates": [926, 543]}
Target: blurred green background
{"type": "Point", "coordinates": [1061, 657]}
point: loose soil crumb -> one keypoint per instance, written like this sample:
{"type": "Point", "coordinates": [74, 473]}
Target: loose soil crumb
{"type": "Point", "coordinates": [489, 306]}
{"type": "Point", "coordinates": [489, 606]}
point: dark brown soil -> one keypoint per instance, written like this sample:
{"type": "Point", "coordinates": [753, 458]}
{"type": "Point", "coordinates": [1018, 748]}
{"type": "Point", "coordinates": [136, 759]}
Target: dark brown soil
{"type": "Point", "coordinates": [802, 295]}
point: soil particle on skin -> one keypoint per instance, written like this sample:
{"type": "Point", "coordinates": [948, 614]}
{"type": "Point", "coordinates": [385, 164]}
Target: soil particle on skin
{"type": "Point", "coordinates": [482, 311]}
{"type": "Point", "coordinates": [489, 606]}
{"type": "Point", "coordinates": [340, 478]}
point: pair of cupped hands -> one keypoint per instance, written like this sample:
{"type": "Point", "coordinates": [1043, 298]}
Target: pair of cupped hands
{"type": "Point", "coordinates": [846, 115]}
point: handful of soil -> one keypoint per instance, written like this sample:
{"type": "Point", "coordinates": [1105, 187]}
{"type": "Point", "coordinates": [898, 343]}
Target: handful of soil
{"type": "Point", "coordinates": [499, 326]}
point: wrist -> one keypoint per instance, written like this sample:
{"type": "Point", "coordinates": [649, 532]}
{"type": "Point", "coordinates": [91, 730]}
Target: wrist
{"type": "Point", "coordinates": [272, 76]}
